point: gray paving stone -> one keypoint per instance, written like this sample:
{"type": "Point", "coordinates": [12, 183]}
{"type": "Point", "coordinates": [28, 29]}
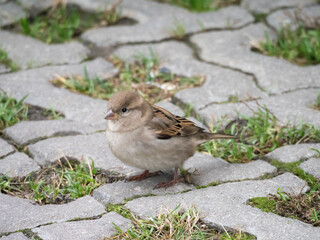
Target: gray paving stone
{"type": "Point", "coordinates": [26, 132]}
{"type": "Point", "coordinates": [312, 166]}
{"type": "Point", "coordinates": [225, 205]}
{"type": "Point", "coordinates": [233, 49]}
{"type": "Point", "coordinates": [292, 108]}
{"type": "Point", "coordinates": [17, 213]}
{"type": "Point", "coordinates": [28, 52]}
{"type": "Point", "coordinates": [5, 148]}
{"type": "Point", "coordinates": [283, 18]}
{"type": "Point", "coordinates": [35, 84]}
{"type": "Point", "coordinates": [262, 6]}
{"type": "Point", "coordinates": [4, 69]}
{"type": "Point", "coordinates": [219, 84]}
{"type": "Point", "coordinates": [15, 236]}
{"type": "Point", "coordinates": [171, 108]}
{"type": "Point", "coordinates": [87, 229]}
{"type": "Point", "coordinates": [83, 148]}
{"type": "Point", "coordinates": [156, 21]}
{"type": "Point", "coordinates": [117, 192]}
{"type": "Point", "coordinates": [293, 153]}
{"type": "Point", "coordinates": [10, 13]}
{"type": "Point", "coordinates": [34, 7]}
{"type": "Point", "coordinates": [17, 165]}
{"type": "Point", "coordinates": [209, 170]}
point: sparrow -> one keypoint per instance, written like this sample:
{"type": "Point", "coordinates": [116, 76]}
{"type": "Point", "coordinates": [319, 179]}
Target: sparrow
{"type": "Point", "coordinates": [149, 137]}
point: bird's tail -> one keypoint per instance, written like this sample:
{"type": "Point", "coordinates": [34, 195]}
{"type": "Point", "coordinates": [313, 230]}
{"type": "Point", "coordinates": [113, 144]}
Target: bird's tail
{"type": "Point", "coordinates": [205, 136]}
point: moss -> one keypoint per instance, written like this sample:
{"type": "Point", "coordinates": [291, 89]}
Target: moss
{"type": "Point", "coordinates": [120, 209]}
{"type": "Point", "coordinates": [264, 204]}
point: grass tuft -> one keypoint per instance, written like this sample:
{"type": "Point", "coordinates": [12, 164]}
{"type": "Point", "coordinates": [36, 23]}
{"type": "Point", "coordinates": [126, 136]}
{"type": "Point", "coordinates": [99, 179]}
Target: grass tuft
{"type": "Point", "coordinates": [65, 22]}
{"type": "Point", "coordinates": [316, 105]}
{"type": "Point", "coordinates": [259, 135]}
{"type": "Point", "coordinates": [176, 224]}
{"type": "Point", "coordinates": [144, 75]}
{"type": "Point", "coordinates": [59, 183]}
{"type": "Point", "coordinates": [11, 111]}
{"type": "Point", "coordinates": [300, 46]}
{"type": "Point", "coordinates": [202, 5]}
{"type": "Point", "coordinates": [5, 60]}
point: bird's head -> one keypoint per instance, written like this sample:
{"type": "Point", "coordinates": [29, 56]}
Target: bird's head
{"type": "Point", "coordinates": [127, 111]}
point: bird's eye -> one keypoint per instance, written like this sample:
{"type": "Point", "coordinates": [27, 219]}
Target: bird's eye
{"type": "Point", "coordinates": [124, 110]}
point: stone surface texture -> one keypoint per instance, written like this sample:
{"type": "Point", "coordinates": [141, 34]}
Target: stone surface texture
{"type": "Point", "coordinates": [87, 229]}
{"type": "Point", "coordinates": [26, 214]}
{"type": "Point", "coordinates": [5, 148]}
{"type": "Point", "coordinates": [218, 47]}
{"type": "Point", "coordinates": [224, 206]}
{"type": "Point", "coordinates": [17, 165]}
{"type": "Point", "coordinates": [312, 166]}
{"type": "Point", "coordinates": [28, 52]}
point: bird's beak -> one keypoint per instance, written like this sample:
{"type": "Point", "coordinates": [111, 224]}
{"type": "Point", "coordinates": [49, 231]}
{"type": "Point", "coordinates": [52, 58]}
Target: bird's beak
{"type": "Point", "coordinates": [111, 115]}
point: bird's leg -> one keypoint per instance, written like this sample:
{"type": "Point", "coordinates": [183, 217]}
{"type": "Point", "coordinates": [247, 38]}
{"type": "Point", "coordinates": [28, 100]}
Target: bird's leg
{"type": "Point", "coordinates": [172, 182]}
{"type": "Point", "coordinates": [143, 175]}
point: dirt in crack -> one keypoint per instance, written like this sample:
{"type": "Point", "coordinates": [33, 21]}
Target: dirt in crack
{"type": "Point", "coordinates": [62, 182]}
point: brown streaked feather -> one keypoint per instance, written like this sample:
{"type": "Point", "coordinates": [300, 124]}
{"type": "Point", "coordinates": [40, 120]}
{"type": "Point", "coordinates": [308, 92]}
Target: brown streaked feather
{"type": "Point", "coordinates": [167, 125]}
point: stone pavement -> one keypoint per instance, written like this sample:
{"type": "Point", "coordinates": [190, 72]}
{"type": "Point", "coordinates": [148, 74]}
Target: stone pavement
{"type": "Point", "coordinates": [218, 48]}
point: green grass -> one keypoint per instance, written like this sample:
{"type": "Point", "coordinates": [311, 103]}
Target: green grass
{"type": "Point", "coordinates": [177, 225]}
{"type": "Point", "coordinates": [178, 30]}
{"type": "Point", "coordinates": [59, 183]}
{"type": "Point", "coordinates": [5, 60]}
{"type": "Point", "coordinates": [201, 5]}
{"type": "Point", "coordinates": [64, 23]}
{"type": "Point", "coordinates": [301, 46]}
{"type": "Point", "coordinates": [144, 76]}
{"type": "Point", "coordinates": [11, 111]}
{"type": "Point", "coordinates": [259, 135]}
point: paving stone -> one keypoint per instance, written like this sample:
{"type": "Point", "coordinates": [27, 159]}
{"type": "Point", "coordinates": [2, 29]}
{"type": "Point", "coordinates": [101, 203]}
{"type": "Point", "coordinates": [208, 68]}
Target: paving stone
{"type": "Point", "coordinates": [28, 52]}
{"type": "Point", "coordinates": [4, 69]}
{"type": "Point", "coordinates": [225, 206]}
{"type": "Point", "coordinates": [17, 165]}
{"type": "Point", "coordinates": [262, 6]}
{"type": "Point", "coordinates": [17, 213]}
{"type": "Point", "coordinates": [211, 170]}
{"type": "Point", "coordinates": [117, 192]}
{"type": "Point", "coordinates": [156, 21]}
{"type": "Point", "coordinates": [26, 132]}
{"type": "Point", "coordinates": [171, 108]}
{"type": "Point", "coordinates": [219, 83]}
{"type": "Point", "coordinates": [233, 49]}
{"type": "Point", "coordinates": [15, 236]}
{"type": "Point", "coordinates": [10, 13]}
{"type": "Point", "coordinates": [293, 153]}
{"type": "Point", "coordinates": [87, 229]}
{"type": "Point", "coordinates": [35, 7]}
{"type": "Point", "coordinates": [36, 85]}
{"type": "Point", "coordinates": [312, 166]}
{"type": "Point", "coordinates": [285, 18]}
{"type": "Point", "coordinates": [5, 148]}
{"type": "Point", "coordinates": [292, 108]}
{"type": "Point", "coordinates": [83, 148]}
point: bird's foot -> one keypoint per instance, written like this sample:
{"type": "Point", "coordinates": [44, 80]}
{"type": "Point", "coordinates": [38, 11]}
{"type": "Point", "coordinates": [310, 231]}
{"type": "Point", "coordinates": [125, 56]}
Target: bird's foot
{"type": "Point", "coordinates": [143, 175]}
{"type": "Point", "coordinates": [169, 184]}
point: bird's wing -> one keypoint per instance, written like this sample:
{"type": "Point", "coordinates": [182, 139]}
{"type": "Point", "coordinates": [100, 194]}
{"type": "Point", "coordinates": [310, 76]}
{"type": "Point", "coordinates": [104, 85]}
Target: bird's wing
{"type": "Point", "coordinates": [167, 125]}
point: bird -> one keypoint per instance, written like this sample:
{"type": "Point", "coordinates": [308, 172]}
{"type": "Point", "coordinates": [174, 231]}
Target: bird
{"type": "Point", "coordinates": [151, 138]}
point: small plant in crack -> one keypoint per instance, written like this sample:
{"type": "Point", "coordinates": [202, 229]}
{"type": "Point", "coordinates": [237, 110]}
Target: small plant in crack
{"type": "Point", "coordinates": [178, 30]}
{"type": "Point", "coordinates": [144, 75]}
{"type": "Point", "coordinates": [64, 22]}
{"type": "Point", "coordinates": [5, 60]}
{"type": "Point", "coordinates": [202, 5]}
{"type": "Point", "coordinates": [60, 183]}
{"type": "Point", "coordinates": [176, 224]}
{"type": "Point", "coordinates": [259, 135]}
{"type": "Point", "coordinates": [11, 110]}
